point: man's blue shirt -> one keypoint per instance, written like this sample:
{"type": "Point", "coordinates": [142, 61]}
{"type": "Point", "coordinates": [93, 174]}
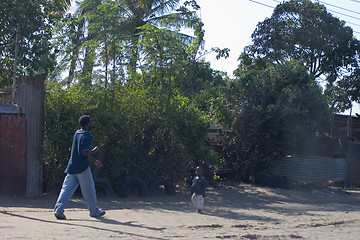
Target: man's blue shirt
{"type": "Point", "coordinates": [77, 162]}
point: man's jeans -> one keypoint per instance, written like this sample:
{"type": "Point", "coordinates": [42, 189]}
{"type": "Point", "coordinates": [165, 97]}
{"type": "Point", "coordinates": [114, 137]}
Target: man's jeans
{"type": "Point", "coordinates": [70, 184]}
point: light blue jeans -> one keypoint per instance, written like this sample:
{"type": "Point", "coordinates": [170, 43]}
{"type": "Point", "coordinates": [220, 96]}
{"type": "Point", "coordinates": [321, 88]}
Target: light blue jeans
{"type": "Point", "coordinates": [70, 184]}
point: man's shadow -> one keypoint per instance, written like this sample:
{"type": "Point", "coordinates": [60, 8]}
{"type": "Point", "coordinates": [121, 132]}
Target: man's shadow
{"type": "Point", "coordinates": [69, 222]}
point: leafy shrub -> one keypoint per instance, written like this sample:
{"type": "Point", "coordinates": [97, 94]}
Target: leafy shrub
{"type": "Point", "coordinates": [141, 134]}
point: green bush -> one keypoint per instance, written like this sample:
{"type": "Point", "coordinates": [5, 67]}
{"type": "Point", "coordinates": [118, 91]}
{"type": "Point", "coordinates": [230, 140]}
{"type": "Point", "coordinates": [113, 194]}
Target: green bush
{"type": "Point", "coordinates": [269, 110]}
{"type": "Point", "coordinates": [142, 134]}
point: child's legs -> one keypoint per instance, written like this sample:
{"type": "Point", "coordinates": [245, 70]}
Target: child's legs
{"type": "Point", "coordinates": [69, 186]}
{"type": "Point", "coordinates": [198, 201]}
{"type": "Point", "coordinates": [193, 200]}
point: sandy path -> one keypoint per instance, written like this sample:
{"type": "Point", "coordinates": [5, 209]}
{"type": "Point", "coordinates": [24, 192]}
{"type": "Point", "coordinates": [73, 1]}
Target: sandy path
{"type": "Point", "coordinates": [241, 212]}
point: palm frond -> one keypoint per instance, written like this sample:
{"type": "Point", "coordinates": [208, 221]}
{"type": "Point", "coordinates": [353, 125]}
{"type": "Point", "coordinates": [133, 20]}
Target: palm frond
{"type": "Point", "coordinates": [66, 5]}
{"type": "Point", "coordinates": [177, 19]}
{"type": "Point", "coordinates": [162, 7]}
{"type": "Point", "coordinates": [185, 38]}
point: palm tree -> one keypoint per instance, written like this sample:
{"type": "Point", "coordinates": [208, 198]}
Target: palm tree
{"type": "Point", "coordinates": [135, 14]}
{"type": "Point", "coordinates": [142, 12]}
{"type": "Point", "coordinates": [77, 27]}
{"type": "Point", "coordinates": [61, 6]}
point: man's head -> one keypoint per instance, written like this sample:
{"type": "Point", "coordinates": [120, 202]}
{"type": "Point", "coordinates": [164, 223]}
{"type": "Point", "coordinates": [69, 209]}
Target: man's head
{"type": "Point", "coordinates": [85, 122]}
{"type": "Point", "coordinates": [200, 171]}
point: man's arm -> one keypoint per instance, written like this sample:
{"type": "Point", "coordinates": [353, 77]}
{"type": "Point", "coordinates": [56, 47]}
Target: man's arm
{"type": "Point", "coordinates": [87, 153]}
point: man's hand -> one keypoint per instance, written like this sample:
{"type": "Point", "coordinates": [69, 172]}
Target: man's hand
{"type": "Point", "coordinates": [98, 164]}
{"type": "Point", "coordinates": [95, 150]}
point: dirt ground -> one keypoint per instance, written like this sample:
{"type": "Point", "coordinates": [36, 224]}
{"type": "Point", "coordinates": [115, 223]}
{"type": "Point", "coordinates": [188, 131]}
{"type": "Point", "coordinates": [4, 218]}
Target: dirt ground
{"type": "Point", "coordinates": [231, 212]}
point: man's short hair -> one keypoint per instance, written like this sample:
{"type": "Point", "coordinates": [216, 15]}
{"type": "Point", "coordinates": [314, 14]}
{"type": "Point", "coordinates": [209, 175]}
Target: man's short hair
{"type": "Point", "coordinates": [84, 119]}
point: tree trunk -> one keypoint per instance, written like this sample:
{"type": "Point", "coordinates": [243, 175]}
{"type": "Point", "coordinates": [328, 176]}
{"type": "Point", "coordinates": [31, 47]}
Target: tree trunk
{"type": "Point", "coordinates": [15, 62]}
{"type": "Point", "coordinates": [75, 51]}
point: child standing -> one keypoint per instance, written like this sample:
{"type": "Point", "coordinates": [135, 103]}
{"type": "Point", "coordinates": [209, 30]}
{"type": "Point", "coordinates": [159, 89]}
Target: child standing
{"type": "Point", "coordinates": [198, 188]}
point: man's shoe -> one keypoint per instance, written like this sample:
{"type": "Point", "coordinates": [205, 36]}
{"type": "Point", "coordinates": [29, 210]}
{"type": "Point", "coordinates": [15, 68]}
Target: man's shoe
{"type": "Point", "coordinates": [102, 213]}
{"type": "Point", "coordinates": [59, 216]}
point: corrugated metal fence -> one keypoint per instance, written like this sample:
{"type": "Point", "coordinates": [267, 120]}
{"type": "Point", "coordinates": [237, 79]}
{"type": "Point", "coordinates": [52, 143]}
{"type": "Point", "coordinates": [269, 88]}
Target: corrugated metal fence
{"type": "Point", "coordinates": [320, 165]}
{"type": "Point", "coordinates": [21, 138]}
{"type": "Point", "coordinates": [30, 98]}
{"type": "Point", "coordinates": [312, 169]}
{"type": "Point", "coordinates": [354, 160]}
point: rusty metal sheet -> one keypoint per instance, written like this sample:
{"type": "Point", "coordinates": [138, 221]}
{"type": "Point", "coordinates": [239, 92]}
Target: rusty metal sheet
{"type": "Point", "coordinates": [12, 154]}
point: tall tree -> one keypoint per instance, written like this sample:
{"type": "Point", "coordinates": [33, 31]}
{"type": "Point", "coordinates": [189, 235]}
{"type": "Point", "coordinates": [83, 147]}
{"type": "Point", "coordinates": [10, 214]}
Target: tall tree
{"type": "Point", "coordinates": [268, 109]}
{"type": "Point", "coordinates": [113, 28]}
{"type": "Point", "coordinates": [142, 12]}
{"type": "Point", "coordinates": [303, 30]}
{"type": "Point", "coordinates": [83, 35]}
{"type": "Point", "coordinates": [30, 23]}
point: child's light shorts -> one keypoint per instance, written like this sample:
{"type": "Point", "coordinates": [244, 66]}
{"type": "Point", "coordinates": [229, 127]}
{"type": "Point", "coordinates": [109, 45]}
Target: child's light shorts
{"type": "Point", "coordinates": [198, 201]}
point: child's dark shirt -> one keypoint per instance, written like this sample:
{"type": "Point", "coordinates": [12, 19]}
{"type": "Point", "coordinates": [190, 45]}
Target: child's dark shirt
{"type": "Point", "coordinates": [199, 185]}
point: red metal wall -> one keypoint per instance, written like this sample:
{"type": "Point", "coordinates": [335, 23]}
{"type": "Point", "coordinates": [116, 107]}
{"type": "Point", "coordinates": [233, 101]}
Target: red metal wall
{"type": "Point", "coordinates": [12, 154]}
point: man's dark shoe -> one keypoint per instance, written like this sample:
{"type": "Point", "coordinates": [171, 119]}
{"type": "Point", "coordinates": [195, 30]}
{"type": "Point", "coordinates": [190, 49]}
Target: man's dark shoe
{"type": "Point", "coordinates": [102, 213]}
{"type": "Point", "coordinates": [59, 216]}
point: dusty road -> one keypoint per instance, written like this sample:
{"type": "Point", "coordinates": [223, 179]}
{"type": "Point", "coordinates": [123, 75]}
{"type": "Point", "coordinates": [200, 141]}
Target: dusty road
{"type": "Point", "coordinates": [237, 212]}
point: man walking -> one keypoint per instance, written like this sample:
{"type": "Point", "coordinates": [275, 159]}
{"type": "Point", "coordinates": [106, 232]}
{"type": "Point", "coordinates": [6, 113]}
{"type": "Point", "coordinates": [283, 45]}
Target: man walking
{"type": "Point", "coordinates": [78, 172]}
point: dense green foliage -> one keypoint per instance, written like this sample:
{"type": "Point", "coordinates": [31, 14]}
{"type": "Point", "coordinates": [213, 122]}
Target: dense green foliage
{"type": "Point", "coordinates": [149, 123]}
{"type": "Point", "coordinates": [129, 66]}
{"type": "Point", "coordinates": [31, 22]}
{"type": "Point", "coordinates": [100, 42]}
{"type": "Point", "coordinates": [268, 110]}
{"type": "Point", "coordinates": [141, 133]}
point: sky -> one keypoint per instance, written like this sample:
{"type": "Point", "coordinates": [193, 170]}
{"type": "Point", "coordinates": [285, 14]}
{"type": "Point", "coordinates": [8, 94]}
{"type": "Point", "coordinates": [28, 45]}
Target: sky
{"type": "Point", "coordinates": [230, 23]}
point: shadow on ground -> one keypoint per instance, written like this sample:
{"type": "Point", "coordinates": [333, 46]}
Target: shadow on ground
{"type": "Point", "coordinates": [229, 202]}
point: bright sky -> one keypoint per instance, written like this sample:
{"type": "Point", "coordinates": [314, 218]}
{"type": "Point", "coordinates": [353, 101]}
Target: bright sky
{"type": "Point", "coordinates": [230, 23]}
